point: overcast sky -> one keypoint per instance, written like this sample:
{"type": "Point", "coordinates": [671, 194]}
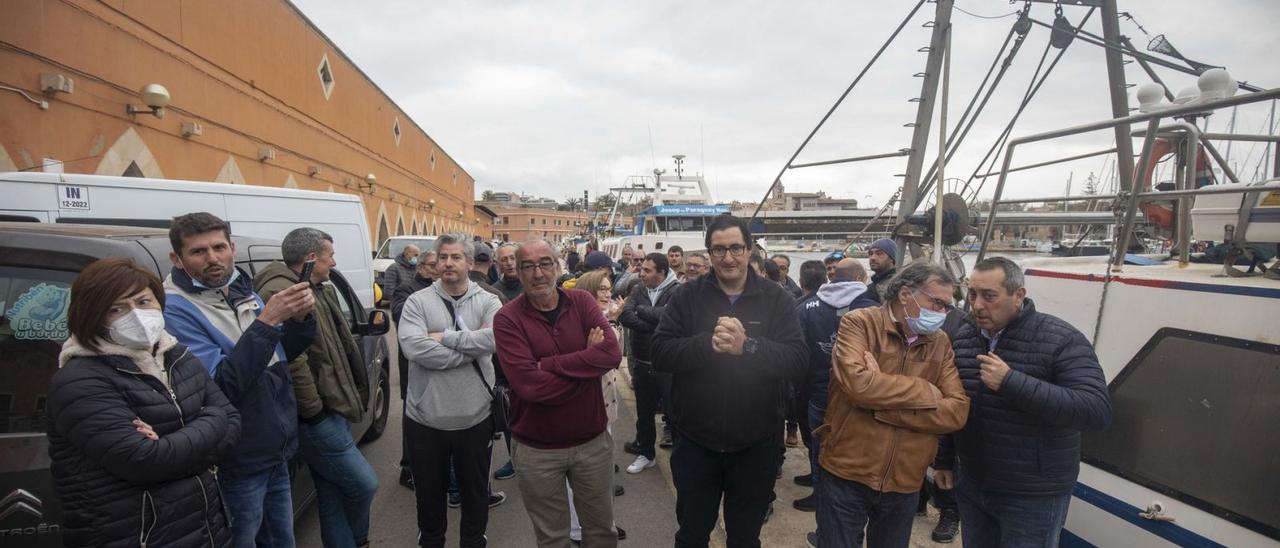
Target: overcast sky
{"type": "Point", "coordinates": [553, 97]}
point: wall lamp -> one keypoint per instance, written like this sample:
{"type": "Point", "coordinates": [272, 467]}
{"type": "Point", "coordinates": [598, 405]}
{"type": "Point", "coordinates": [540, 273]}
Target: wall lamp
{"type": "Point", "coordinates": [155, 96]}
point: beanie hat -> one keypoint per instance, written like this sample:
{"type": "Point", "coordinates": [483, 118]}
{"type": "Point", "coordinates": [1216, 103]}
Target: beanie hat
{"type": "Point", "coordinates": [598, 259]}
{"type": "Point", "coordinates": [887, 246]}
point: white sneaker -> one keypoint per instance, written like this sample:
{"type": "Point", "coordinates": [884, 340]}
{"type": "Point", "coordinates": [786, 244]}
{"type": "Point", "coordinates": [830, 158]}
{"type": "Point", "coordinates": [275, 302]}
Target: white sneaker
{"type": "Point", "coordinates": [640, 464]}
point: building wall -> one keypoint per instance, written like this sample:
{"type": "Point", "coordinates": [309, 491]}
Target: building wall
{"type": "Point", "coordinates": [519, 224]}
{"type": "Point", "coordinates": [247, 72]}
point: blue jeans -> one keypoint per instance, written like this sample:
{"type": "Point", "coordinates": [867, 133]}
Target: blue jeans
{"type": "Point", "coordinates": [345, 482]}
{"type": "Point", "coordinates": [998, 519]}
{"type": "Point", "coordinates": [260, 507]}
{"type": "Point", "coordinates": [846, 507]}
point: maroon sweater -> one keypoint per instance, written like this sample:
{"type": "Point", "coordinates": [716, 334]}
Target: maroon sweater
{"type": "Point", "coordinates": [556, 398]}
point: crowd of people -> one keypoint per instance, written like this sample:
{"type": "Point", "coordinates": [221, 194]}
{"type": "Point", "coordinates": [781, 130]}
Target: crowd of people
{"type": "Point", "coordinates": [180, 402]}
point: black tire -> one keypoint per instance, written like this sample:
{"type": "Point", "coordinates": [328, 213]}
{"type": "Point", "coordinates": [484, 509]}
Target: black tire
{"type": "Point", "coordinates": [381, 408]}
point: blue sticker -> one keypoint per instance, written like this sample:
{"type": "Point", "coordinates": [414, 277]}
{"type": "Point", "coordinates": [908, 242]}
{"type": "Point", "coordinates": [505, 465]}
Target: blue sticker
{"type": "Point", "coordinates": [41, 313]}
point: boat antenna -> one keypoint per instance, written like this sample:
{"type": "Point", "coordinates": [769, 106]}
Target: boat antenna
{"type": "Point", "coordinates": [653, 158]}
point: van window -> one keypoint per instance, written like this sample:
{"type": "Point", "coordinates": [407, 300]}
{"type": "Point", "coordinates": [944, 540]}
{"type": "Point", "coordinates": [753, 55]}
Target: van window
{"type": "Point", "coordinates": [1194, 417]}
{"type": "Point", "coordinates": [33, 326]}
{"type": "Point", "coordinates": [394, 247]}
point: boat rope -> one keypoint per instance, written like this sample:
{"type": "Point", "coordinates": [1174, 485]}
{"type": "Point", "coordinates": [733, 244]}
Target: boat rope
{"type": "Point", "coordinates": [1102, 303]}
{"type": "Point", "coordinates": [971, 14]}
{"type": "Point", "coordinates": [833, 108]}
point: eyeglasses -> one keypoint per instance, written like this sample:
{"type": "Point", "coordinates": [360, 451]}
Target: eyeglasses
{"type": "Point", "coordinates": [546, 265]}
{"type": "Point", "coordinates": [735, 250]}
{"type": "Point", "coordinates": [938, 305]}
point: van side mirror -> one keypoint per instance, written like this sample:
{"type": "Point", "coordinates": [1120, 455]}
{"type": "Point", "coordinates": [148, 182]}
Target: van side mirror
{"type": "Point", "coordinates": [378, 323]}
{"type": "Point", "coordinates": [373, 254]}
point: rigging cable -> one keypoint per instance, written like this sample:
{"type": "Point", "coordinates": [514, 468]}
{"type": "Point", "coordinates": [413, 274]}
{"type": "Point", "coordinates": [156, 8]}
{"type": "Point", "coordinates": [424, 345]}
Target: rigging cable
{"type": "Point", "coordinates": [1025, 101]}
{"type": "Point", "coordinates": [971, 14]}
{"type": "Point", "coordinates": [954, 141]}
{"type": "Point", "coordinates": [832, 110]}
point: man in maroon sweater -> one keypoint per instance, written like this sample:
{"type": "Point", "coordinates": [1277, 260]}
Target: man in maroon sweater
{"type": "Point", "coordinates": [554, 344]}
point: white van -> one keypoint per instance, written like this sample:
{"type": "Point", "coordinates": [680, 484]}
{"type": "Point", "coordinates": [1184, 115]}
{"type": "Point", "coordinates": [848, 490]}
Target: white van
{"type": "Point", "coordinates": [259, 211]}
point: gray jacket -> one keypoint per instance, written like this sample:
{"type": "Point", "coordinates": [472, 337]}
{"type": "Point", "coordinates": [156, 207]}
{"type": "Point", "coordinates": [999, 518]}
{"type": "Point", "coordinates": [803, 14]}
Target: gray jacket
{"type": "Point", "coordinates": [399, 272]}
{"type": "Point", "coordinates": [444, 391]}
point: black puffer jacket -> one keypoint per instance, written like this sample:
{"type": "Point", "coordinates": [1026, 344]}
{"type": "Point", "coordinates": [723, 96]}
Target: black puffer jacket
{"type": "Point", "coordinates": [1025, 439]}
{"type": "Point", "coordinates": [641, 316]}
{"type": "Point", "coordinates": [119, 488]}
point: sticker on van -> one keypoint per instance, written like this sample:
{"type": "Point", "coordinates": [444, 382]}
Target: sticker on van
{"type": "Point", "coordinates": [40, 314]}
{"type": "Point", "coordinates": [73, 197]}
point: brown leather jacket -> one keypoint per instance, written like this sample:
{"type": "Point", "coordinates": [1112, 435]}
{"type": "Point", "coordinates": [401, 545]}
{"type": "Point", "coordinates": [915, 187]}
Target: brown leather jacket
{"type": "Point", "coordinates": [881, 428]}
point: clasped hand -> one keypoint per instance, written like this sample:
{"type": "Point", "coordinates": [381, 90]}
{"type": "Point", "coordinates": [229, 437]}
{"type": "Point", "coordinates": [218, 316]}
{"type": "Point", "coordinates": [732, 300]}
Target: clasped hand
{"type": "Point", "coordinates": [729, 336]}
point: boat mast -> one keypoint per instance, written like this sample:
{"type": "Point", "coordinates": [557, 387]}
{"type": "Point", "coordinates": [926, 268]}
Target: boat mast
{"type": "Point", "coordinates": [924, 115]}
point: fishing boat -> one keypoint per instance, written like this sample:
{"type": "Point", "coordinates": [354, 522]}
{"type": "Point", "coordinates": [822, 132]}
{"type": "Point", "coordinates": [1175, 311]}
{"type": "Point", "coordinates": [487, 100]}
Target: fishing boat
{"type": "Point", "coordinates": [681, 211]}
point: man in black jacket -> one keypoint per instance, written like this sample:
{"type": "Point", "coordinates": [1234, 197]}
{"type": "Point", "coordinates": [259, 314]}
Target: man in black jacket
{"type": "Point", "coordinates": [731, 341]}
{"type": "Point", "coordinates": [882, 255]}
{"type": "Point", "coordinates": [1035, 383]}
{"type": "Point", "coordinates": [246, 346]}
{"type": "Point", "coordinates": [423, 276]}
{"type": "Point", "coordinates": [641, 315]}
{"type": "Point", "coordinates": [784, 264]}
{"type": "Point", "coordinates": [508, 279]}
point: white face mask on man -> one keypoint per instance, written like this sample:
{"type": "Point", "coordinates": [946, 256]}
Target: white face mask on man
{"type": "Point", "coordinates": [139, 328]}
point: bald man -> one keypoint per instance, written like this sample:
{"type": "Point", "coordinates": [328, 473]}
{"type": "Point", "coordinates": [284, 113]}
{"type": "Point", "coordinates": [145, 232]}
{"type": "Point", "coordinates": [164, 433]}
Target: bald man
{"type": "Point", "coordinates": [820, 318]}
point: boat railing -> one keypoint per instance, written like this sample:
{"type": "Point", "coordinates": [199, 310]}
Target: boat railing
{"type": "Point", "coordinates": [1127, 202]}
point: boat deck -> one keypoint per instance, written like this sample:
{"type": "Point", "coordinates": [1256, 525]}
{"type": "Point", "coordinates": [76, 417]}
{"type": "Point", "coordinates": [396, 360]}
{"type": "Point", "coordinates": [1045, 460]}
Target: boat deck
{"type": "Point", "coordinates": [1167, 274]}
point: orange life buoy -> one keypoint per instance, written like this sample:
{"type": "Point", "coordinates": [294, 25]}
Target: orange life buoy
{"type": "Point", "coordinates": [1157, 214]}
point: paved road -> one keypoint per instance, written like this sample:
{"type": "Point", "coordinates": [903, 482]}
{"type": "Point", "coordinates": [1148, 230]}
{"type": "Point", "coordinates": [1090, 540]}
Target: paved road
{"type": "Point", "coordinates": [646, 511]}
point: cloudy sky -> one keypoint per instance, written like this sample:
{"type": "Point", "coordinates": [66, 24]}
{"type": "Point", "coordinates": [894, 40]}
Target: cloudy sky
{"type": "Point", "coordinates": [553, 97]}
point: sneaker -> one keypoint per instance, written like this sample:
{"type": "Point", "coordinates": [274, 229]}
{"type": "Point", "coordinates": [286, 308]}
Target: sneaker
{"type": "Point", "coordinates": [496, 498]}
{"type": "Point", "coordinates": [455, 500]}
{"type": "Point", "coordinates": [665, 442]}
{"type": "Point", "coordinates": [640, 464]}
{"type": "Point", "coordinates": [622, 533]}
{"type": "Point", "coordinates": [812, 538]}
{"type": "Point", "coordinates": [618, 491]}
{"type": "Point", "coordinates": [804, 481]}
{"type": "Point", "coordinates": [406, 478]}
{"type": "Point", "coordinates": [631, 447]}
{"type": "Point", "coordinates": [806, 504]}
{"type": "Point", "coordinates": [948, 526]}
{"type": "Point", "coordinates": [506, 472]}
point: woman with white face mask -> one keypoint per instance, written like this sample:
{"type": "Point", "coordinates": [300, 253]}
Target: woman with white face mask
{"type": "Point", "coordinates": [135, 422]}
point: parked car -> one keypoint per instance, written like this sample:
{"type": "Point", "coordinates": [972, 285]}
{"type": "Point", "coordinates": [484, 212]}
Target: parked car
{"type": "Point", "coordinates": [38, 263]}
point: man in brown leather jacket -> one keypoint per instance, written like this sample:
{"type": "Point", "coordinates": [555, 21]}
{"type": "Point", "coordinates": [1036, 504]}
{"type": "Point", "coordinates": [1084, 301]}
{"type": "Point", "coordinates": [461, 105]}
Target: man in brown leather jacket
{"type": "Point", "coordinates": [894, 388]}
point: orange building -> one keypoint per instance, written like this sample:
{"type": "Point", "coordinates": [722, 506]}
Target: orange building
{"type": "Point", "coordinates": [257, 95]}
{"type": "Point", "coordinates": [517, 224]}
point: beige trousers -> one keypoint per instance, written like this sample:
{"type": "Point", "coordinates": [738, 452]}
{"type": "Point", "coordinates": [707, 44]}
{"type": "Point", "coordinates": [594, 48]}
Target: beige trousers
{"type": "Point", "coordinates": [589, 471]}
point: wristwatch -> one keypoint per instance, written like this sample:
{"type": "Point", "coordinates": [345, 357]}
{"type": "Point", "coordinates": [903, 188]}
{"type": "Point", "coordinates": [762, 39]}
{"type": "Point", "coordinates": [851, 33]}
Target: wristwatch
{"type": "Point", "coordinates": [750, 346]}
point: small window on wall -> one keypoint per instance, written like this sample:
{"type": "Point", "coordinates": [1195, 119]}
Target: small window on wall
{"type": "Point", "coordinates": [395, 130]}
{"type": "Point", "coordinates": [1194, 417]}
{"type": "Point", "coordinates": [657, 246]}
{"type": "Point", "coordinates": [431, 159]}
{"type": "Point", "coordinates": [326, 75]}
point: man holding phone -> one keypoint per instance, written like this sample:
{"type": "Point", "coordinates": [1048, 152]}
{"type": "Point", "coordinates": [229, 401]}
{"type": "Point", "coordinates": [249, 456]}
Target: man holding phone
{"type": "Point", "coordinates": [330, 388]}
{"type": "Point", "coordinates": [246, 345]}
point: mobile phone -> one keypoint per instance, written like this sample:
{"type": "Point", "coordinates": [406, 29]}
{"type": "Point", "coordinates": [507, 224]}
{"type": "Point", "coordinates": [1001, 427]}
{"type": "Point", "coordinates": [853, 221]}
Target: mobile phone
{"type": "Point", "coordinates": [307, 267]}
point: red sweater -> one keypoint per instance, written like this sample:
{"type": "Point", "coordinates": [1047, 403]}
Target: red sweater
{"type": "Point", "coordinates": [556, 398]}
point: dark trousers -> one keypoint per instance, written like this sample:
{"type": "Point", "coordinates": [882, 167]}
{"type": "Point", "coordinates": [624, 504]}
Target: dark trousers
{"type": "Point", "coordinates": [798, 412]}
{"type": "Point", "coordinates": [403, 365]}
{"type": "Point", "coordinates": [743, 479]}
{"type": "Point", "coordinates": [944, 499]}
{"type": "Point", "coordinates": [846, 507]}
{"type": "Point", "coordinates": [431, 451]}
{"type": "Point", "coordinates": [1003, 520]}
{"type": "Point", "coordinates": [651, 387]}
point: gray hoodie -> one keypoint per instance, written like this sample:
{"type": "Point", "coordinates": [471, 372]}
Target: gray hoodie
{"type": "Point", "coordinates": [444, 391]}
{"type": "Point", "coordinates": [666, 284]}
{"type": "Point", "coordinates": [841, 294]}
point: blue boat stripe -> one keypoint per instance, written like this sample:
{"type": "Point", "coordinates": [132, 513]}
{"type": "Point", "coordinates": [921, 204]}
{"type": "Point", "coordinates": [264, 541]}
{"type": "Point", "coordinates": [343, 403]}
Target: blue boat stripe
{"type": "Point", "coordinates": [1067, 539]}
{"type": "Point", "coordinates": [1125, 511]}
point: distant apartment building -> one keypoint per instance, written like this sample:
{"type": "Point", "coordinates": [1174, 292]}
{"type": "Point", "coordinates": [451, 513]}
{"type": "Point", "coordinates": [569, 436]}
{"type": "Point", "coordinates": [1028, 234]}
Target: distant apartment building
{"type": "Point", "coordinates": [513, 199]}
{"type": "Point", "coordinates": [808, 201]}
{"type": "Point", "coordinates": [517, 224]}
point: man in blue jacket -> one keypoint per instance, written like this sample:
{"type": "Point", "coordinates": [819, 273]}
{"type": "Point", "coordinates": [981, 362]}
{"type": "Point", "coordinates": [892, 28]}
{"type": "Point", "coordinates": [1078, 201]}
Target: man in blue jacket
{"type": "Point", "coordinates": [1035, 383]}
{"type": "Point", "coordinates": [246, 347]}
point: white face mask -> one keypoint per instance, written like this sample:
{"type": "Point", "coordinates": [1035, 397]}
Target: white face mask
{"type": "Point", "coordinates": [139, 328]}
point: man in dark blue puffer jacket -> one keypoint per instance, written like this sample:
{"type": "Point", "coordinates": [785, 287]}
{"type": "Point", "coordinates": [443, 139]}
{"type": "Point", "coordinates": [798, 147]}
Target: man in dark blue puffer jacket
{"type": "Point", "coordinates": [1035, 383]}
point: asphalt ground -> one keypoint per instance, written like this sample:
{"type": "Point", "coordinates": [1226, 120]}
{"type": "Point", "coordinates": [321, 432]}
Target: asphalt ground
{"type": "Point", "coordinates": [646, 511]}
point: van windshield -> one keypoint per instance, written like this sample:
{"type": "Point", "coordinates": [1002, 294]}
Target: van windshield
{"type": "Point", "coordinates": [394, 246]}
